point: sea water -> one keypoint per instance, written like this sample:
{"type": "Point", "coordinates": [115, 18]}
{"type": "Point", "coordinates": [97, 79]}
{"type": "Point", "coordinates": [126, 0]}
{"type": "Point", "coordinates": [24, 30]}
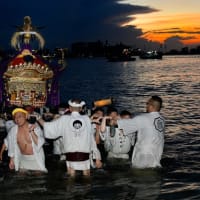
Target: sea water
{"type": "Point", "coordinates": [177, 80]}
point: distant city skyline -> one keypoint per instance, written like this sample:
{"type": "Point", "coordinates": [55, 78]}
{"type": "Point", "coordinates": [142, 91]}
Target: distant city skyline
{"type": "Point", "coordinates": [142, 24]}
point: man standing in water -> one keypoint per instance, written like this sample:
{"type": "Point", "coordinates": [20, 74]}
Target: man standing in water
{"type": "Point", "coordinates": [25, 143]}
{"type": "Point", "coordinates": [78, 140]}
{"type": "Point", "coordinates": [116, 144]}
{"type": "Point", "coordinates": [150, 128]}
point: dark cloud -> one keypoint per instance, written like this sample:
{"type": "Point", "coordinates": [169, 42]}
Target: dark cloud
{"type": "Point", "coordinates": [173, 43]}
{"type": "Point", "coordinates": [188, 38]}
{"type": "Point", "coordinates": [176, 31]}
{"type": "Point", "coordinates": [71, 21]}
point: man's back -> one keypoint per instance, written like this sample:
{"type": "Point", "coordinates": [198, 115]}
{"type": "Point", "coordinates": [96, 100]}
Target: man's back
{"type": "Point", "coordinates": [150, 140]}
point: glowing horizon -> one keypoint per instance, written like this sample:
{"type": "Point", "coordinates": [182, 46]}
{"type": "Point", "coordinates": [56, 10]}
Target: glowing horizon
{"type": "Point", "coordinates": [168, 21]}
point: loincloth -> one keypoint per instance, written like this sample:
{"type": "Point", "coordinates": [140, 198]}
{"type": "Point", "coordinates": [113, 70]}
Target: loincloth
{"type": "Point", "coordinates": [28, 162]}
{"type": "Point", "coordinates": [78, 160]}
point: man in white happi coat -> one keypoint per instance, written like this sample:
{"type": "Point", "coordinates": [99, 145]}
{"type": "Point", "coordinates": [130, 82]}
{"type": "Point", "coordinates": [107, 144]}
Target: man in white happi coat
{"type": "Point", "coordinates": [150, 128]}
{"type": "Point", "coordinates": [25, 144]}
{"type": "Point", "coordinates": [116, 143]}
{"type": "Point", "coordinates": [78, 140]}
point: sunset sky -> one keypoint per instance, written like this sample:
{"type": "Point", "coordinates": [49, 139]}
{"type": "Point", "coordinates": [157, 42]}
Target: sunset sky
{"type": "Point", "coordinates": [172, 18]}
{"type": "Point", "coordinates": [140, 23]}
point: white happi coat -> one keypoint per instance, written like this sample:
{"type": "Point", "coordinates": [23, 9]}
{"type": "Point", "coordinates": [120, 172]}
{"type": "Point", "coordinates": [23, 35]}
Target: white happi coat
{"type": "Point", "coordinates": [76, 133]}
{"type": "Point", "coordinates": [38, 152]}
{"type": "Point", "coordinates": [149, 146]}
{"type": "Point", "coordinates": [117, 145]}
{"type": "Point", "coordinates": [58, 148]}
{"type": "Point", "coordinates": [9, 125]}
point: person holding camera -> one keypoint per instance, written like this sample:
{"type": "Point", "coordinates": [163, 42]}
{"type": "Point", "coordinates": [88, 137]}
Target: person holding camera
{"type": "Point", "coordinates": [96, 119]}
{"type": "Point", "coordinates": [25, 144]}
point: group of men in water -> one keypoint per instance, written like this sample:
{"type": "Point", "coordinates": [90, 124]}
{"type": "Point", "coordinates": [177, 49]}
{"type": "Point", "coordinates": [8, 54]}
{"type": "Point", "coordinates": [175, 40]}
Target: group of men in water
{"type": "Point", "coordinates": [86, 141]}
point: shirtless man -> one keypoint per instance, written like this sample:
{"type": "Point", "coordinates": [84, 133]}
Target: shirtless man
{"type": "Point", "coordinates": [25, 144]}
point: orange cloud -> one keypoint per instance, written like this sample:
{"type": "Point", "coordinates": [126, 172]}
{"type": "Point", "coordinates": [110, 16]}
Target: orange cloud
{"type": "Point", "coordinates": [157, 27]}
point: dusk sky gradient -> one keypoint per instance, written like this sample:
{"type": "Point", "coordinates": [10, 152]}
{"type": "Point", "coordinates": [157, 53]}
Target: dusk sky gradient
{"type": "Point", "coordinates": [140, 23]}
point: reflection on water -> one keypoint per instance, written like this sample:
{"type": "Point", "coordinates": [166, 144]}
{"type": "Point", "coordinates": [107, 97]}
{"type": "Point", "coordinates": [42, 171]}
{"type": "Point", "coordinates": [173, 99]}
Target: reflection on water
{"type": "Point", "coordinates": [177, 80]}
{"type": "Point", "coordinates": [113, 183]}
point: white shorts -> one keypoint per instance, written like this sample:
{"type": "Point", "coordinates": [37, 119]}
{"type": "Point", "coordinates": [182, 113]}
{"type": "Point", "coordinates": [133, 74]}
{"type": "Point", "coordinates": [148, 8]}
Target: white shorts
{"type": "Point", "coordinates": [118, 155]}
{"type": "Point", "coordinates": [28, 162]}
{"type": "Point", "coordinates": [79, 165]}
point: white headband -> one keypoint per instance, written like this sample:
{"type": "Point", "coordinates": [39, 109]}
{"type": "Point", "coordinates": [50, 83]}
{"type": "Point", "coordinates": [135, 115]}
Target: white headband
{"type": "Point", "coordinates": [76, 105]}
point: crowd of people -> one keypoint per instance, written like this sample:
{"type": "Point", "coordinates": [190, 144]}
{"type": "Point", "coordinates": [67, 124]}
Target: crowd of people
{"type": "Point", "coordinates": [84, 141]}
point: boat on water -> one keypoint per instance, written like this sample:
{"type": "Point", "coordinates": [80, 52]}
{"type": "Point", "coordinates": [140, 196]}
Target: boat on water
{"type": "Point", "coordinates": [27, 78]}
{"type": "Point", "coordinates": [125, 55]}
{"type": "Point", "coordinates": [121, 58]}
{"type": "Point", "coordinates": [151, 55]}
